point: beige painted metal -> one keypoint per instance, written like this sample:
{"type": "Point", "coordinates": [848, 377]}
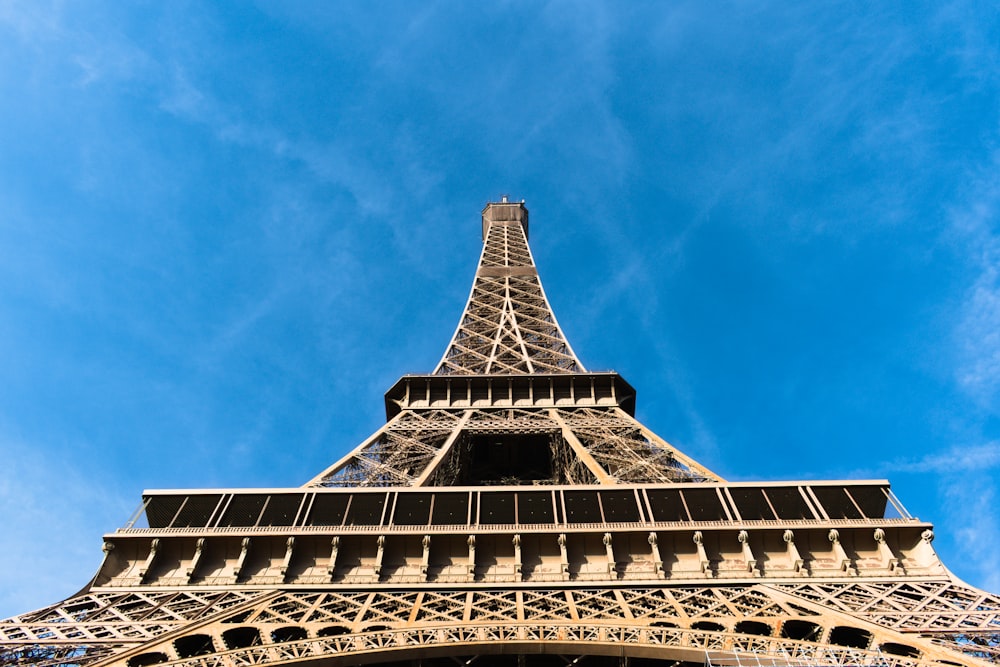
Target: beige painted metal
{"type": "Point", "coordinates": [417, 443]}
{"type": "Point", "coordinates": [445, 449]}
{"type": "Point", "coordinates": [580, 450]}
{"type": "Point", "coordinates": [242, 581]}
{"type": "Point", "coordinates": [508, 325]}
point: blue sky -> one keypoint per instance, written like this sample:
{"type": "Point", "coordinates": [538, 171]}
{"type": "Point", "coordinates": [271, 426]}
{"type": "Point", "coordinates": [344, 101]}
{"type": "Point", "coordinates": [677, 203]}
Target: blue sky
{"type": "Point", "coordinates": [226, 229]}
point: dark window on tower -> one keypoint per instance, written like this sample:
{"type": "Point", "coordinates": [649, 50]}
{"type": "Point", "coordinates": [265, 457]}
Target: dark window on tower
{"type": "Point", "coordinates": [836, 502]}
{"type": "Point", "coordinates": [160, 510]}
{"type": "Point", "coordinates": [496, 508]}
{"type": "Point", "coordinates": [582, 507]}
{"type": "Point", "coordinates": [281, 509]}
{"type": "Point", "coordinates": [788, 502]}
{"type": "Point", "coordinates": [196, 511]}
{"type": "Point", "coordinates": [704, 505]}
{"type": "Point", "coordinates": [328, 509]}
{"type": "Point", "coordinates": [871, 499]}
{"type": "Point", "coordinates": [412, 509]}
{"type": "Point", "coordinates": [619, 506]}
{"type": "Point", "coordinates": [366, 509]}
{"type": "Point", "coordinates": [244, 510]}
{"type": "Point", "coordinates": [534, 507]}
{"type": "Point", "coordinates": [666, 505]}
{"type": "Point", "coordinates": [509, 458]}
{"type": "Point", "coordinates": [450, 509]}
{"type": "Point", "coordinates": [751, 504]}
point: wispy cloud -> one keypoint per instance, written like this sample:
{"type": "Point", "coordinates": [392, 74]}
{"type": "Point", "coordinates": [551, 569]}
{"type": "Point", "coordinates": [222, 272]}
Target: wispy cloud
{"type": "Point", "coordinates": [968, 481]}
{"type": "Point", "coordinates": [964, 459]}
{"type": "Point", "coordinates": [971, 502]}
{"type": "Point", "coordinates": [54, 514]}
{"type": "Point", "coordinates": [113, 60]}
{"type": "Point", "coordinates": [32, 21]}
{"type": "Point", "coordinates": [47, 27]}
{"type": "Point", "coordinates": [977, 333]}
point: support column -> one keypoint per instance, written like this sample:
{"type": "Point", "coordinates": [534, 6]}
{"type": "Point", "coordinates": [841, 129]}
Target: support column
{"type": "Point", "coordinates": [657, 559]}
{"type": "Point", "coordinates": [744, 539]}
{"type": "Point", "coordinates": [706, 566]}
{"type": "Point", "coordinates": [289, 549]}
{"type": "Point", "coordinates": [889, 559]}
{"type": "Point", "coordinates": [379, 555]}
{"type": "Point", "coordinates": [609, 549]}
{"type": "Point", "coordinates": [471, 566]}
{"type": "Point", "coordinates": [563, 557]}
{"type": "Point", "coordinates": [241, 561]}
{"type": "Point", "coordinates": [154, 547]}
{"type": "Point", "coordinates": [199, 550]}
{"type": "Point", "coordinates": [794, 559]}
{"type": "Point", "coordinates": [426, 558]}
{"type": "Point", "coordinates": [331, 567]}
{"type": "Point", "coordinates": [838, 552]}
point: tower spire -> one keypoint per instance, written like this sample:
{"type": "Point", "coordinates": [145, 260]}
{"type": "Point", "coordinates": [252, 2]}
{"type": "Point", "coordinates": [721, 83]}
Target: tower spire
{"type": "Point", "coordinates": [507, 326]}
{"type": "Point", "coordinates": [509, 369]}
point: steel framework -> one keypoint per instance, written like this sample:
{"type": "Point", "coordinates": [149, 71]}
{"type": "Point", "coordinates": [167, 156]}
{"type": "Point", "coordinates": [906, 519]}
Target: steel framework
{"type": "Point", "coordinates": [512, 511]}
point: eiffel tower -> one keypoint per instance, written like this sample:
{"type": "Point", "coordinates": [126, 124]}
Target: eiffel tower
{"type": "Point", "coordinates": [512, 511]}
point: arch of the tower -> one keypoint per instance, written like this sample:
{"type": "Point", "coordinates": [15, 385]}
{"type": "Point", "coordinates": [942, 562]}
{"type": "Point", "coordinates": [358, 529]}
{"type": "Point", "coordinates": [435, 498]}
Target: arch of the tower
{"type": "Point", "coordinates": [524, 643]}
{"type": "Point", "coordinates": [698, 625]}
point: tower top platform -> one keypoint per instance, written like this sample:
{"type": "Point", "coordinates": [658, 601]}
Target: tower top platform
{"type": "Point", "coordinates": [505, 211]}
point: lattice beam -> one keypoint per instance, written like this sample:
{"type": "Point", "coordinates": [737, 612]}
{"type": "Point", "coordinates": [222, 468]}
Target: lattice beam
{"type": "Point", "coordinates": [508, 326]}
{"type": "Point", "coordinates": [745, 621]}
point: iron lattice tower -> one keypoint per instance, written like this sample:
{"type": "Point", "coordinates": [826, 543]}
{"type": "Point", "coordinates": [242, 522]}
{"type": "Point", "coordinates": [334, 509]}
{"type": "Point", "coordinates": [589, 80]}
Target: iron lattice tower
{"type": "Point", "coordinates": [513, 511]}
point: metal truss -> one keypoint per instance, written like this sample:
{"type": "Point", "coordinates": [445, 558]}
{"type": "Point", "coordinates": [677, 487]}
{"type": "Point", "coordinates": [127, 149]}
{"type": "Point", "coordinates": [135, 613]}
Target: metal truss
{"type": "Point", "coordinates": [508, 326]}
{"type": "Point", "coordinates": [512, 504]}
{"type": "Point", "coordinates": [396, 454]}
{"type": "Point", "coordinates": [748, 622]}
{"type": "Point", "coordinates": [924, 606]}
{"type": "Point", "coordinates": [96, 626]}
{"type": "Point", "coordinates": [953, 615]}
{"type": "Point", "coordinates": [590, 445]}
{"type": "Point", "coordinates": [628, 451]}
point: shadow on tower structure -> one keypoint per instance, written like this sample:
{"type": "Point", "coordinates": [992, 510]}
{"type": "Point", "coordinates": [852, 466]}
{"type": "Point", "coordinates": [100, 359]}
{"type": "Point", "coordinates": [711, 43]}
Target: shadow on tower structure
{"type": "Point", "coordinates": [512, 511]}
